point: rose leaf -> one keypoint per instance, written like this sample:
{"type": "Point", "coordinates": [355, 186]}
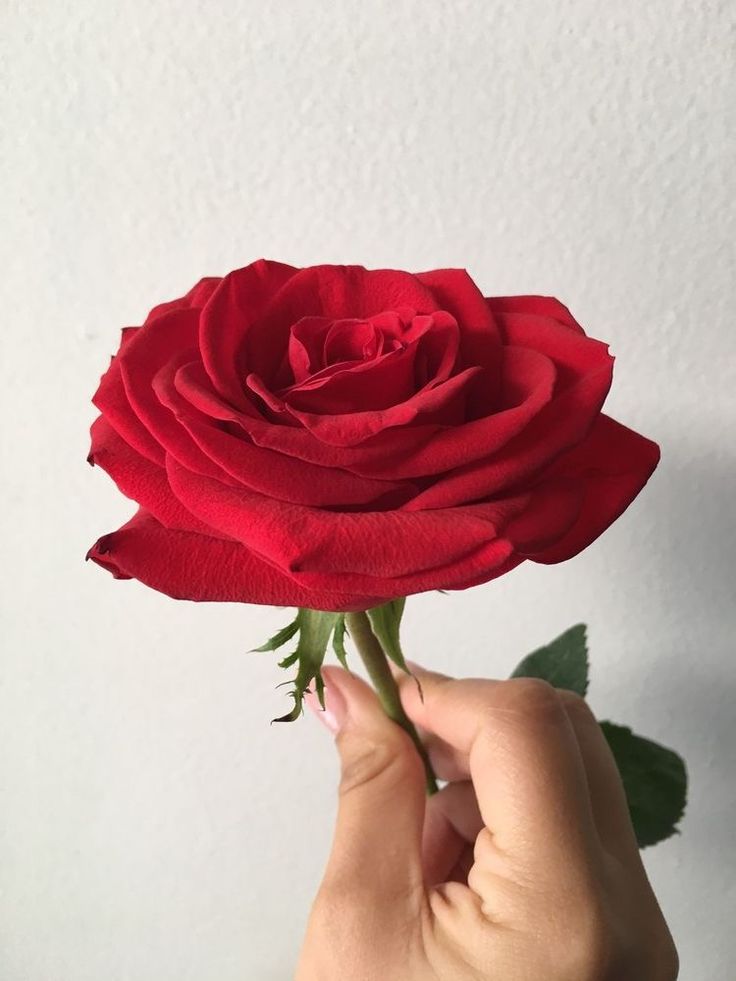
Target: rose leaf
{"type": "Point", "coordinates": [563, 662]}
{"type": "Point", "coordinates": [655, 780]}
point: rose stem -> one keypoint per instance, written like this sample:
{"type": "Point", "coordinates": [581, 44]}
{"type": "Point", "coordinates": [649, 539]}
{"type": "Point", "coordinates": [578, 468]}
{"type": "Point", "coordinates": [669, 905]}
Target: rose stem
{"type": "Point", "coordinates": [376, 663]}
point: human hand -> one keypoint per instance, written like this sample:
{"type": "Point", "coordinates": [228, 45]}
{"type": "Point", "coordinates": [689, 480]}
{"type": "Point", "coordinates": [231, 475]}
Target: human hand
{"type": "Point", "coordinates": [524, 867]}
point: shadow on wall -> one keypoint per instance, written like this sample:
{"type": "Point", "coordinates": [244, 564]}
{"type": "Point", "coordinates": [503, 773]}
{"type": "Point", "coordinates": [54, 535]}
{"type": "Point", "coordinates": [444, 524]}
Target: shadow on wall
{"type": "Point", "coordinates": [693, 568]}
{"type": "Point", "coordinates": [697, 548]}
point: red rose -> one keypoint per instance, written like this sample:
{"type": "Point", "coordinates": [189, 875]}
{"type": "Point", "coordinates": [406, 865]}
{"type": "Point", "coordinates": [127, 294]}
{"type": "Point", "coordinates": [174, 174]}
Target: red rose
{"type": "Point", "coordinates": [334, 437]}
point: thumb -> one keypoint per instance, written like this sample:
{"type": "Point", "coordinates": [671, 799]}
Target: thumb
{"type": "Point", "coordinates": [376, 851]}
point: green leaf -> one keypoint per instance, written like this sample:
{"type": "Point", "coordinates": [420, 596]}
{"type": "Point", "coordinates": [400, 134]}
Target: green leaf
{"type": "Point", "coordinates": [279, 638]}
{"type": "Point", "coordinates": [315, 628]}
{"type": "Point", "coordinates": [563, 663]}
{"type": "Point", "coordinates": [655, 780]}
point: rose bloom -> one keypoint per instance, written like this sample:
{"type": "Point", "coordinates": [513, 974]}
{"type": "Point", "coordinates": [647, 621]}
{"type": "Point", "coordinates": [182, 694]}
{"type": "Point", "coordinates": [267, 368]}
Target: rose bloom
{"type": "Point", "coordinates": [334, 437]}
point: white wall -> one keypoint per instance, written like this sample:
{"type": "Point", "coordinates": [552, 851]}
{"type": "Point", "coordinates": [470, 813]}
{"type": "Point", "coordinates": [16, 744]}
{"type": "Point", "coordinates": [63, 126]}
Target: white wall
{"type": "Point", "coordinates": [154, 826]}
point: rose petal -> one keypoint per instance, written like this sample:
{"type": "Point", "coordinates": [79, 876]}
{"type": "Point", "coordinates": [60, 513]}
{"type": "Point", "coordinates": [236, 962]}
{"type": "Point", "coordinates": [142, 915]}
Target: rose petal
{"type": "Point", "coordinates": [552, 510]}
{"type": "Point", "coordinates": [141, 480]}
{"type": "Point", "coordinates": [195, 567]}
{"type": "Point", "coordinates": [349, 340]}
{"type": "Point", "coordinates": [111, 398]}
{"type": "Point", "coordinates": [559, 425]}
{"type": "Point", "coordinates": [480, 340]}
{"type": "Point", "coordinates": [318, 342]}
{"type": "Point", "coordinates": [423, 449]}
{"type": "Point", "coordinates": [574, 354]}
{"type": "Point", "coordinates": [234, 307]}
{"type": "Point", "coordinates": [443, 404]}
{"type": "Point", "coordinates": [271, 473]}
{"type": "Point", "coordinates": [540, 306]}
{"type": "Point", "coordinates": [334, 292]}
{"type": "Point", "coordinates": [387, 375]}
{"type": "Point", "coordinates": [112, 401]}
{"type": "Point", "coordinates": [437, 336]}
{"type": "Point", "coordinates": [163, 345]}
{"type": "Point", "coordinates": [420, 550]}
{"type": "Point", "coordinates": [195, 299]}
{"type": "Point", "coordinates": [358, 387]}
{"type": "Point", "coordinates": [611, 466]}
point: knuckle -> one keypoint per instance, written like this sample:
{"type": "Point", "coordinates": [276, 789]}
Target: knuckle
{"type": "Point", "coordinates": [602, 948]}
{"type": "Point", "coordinates": [529, 696]}
{"type": "Point", "coordinates": [663, 963]}
{"type": "Point", "coordinates": [670, 963]}
{"type": "Point", "coordinates": [392, 761]}
{"type": "Point", "coordinates": [591, 952]}
{"type": "Point", "coordinates": [333, 903]}
{"type": "Point", "coordinates": [575, 705]}
{"type": "Point", "coordinates": [337, 921]}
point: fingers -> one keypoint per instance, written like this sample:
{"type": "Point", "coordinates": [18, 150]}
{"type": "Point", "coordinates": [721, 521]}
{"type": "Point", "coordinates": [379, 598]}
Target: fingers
{"type": "Point", "coordinates": [447, 762]}
{"type": "Point", "coordinates": [607, 795]}
{"type": "Point", "coordinates": [608, 798]}
{"type": "Point", "coordinates": [376, 855]}
{"type": "Point", "coordinates": [523, 758]}
{"type": "Point", "coordinates": [451, 825]}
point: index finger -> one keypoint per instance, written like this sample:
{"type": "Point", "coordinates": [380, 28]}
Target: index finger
{"type": "Point", "coordinates": [523, 757]}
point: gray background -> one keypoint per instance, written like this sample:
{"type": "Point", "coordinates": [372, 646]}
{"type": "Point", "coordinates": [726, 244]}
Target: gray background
{"type": "Point", "coordinates": [154, 826]}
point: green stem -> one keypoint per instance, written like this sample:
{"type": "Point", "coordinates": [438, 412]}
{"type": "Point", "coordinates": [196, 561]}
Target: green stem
{"type": "Point", "coordinates": [376, 663]}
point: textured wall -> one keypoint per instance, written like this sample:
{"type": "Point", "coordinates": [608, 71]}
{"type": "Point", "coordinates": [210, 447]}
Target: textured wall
{"type": "Point", "coordinates": [154, 827]}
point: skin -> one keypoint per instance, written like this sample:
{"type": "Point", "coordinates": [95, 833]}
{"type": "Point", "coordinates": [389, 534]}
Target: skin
{"type": "Point", "coordinates": [524, 867]}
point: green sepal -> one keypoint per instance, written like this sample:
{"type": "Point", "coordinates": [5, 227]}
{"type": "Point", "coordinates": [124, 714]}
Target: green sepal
{"type": "Point", "coordinates": [563, 663]}
{"type": "Point", "coordinates": [315, 628]}
{"type": "Point", "coordinates": [319, 687]}
{"type": "Point", "coordinates": [338, 641]}
{"type": "Point", "coordinates": [289, 660]}
{"type": "Point", "coordinates": [279, 638]}
{"type": "Point", "coordinates": [655, 781]}
{"type": "Point", "coordinates": [386, 625]}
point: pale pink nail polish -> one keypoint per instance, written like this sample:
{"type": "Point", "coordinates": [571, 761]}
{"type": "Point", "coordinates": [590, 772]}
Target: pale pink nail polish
{"type": "Point", "coordinates": [335, 710]}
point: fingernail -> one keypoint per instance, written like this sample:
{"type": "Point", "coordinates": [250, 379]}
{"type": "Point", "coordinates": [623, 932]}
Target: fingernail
{"type": "Point", "coordinates": [333, 714]}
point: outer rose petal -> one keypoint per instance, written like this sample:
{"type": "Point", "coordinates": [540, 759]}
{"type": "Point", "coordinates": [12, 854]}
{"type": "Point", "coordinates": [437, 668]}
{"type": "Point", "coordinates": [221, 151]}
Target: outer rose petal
{"type": "Point", "coordinates": [194, 567]}
{"type": "Point", "coordinates": [540, 306]}
{"type": "Point", "coordinates": [390, 553]}
{"type": "Point", "coordinates": [384, 544]}
{"type": "Point", "coordinates": [139, 479]}
{"type": "Point", "coordinates": [612, 465]}
{"type": "Point", "coordinates": [112, 401]}
{"type": "Point", "coordinates": [196, 298]}
{"type": "Point", "coordinates": [111, 398]}
{"type": "Point", "coordinates": [166, 341]}
{"type": "Point", "coordinates": [574, 354]}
